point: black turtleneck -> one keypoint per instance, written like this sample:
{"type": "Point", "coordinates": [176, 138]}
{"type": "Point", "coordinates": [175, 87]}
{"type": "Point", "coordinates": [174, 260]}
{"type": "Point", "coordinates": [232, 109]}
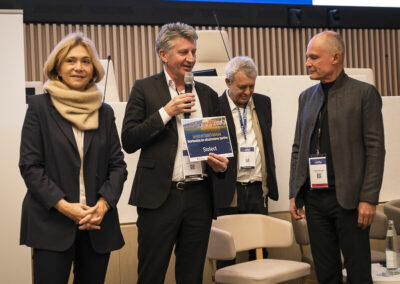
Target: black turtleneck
{"type": "Point", "coordinates": [324, 142]}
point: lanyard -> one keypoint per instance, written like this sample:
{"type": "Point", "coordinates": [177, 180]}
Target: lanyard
{"type": "Point", "coordinates": [243, 122]}
{"type": "Point", "coordinates": [319, 132]}
{"type": "Point", "coordinates": [177, 92]}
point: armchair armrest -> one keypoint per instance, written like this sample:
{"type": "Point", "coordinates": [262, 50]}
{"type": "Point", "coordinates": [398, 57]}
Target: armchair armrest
{"type": "Point", "coordinates": [221, 245]}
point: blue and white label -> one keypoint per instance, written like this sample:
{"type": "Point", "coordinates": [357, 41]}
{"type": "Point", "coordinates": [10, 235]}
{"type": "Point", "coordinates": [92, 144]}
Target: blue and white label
{"type": "Point", "coordinates": [318, 172]}
{"type": "Point", "coordinates": [191, 170]}
{"type": "Point", "coordinates": [247, 158]}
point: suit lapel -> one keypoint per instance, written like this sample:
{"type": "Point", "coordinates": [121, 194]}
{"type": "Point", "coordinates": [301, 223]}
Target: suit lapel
{"type": "Point", "coordinates": [321, 97]}
{"type": "Point", "coordinates": [63, 124]}
{"type": "Point", "coordinates": [261, 115]}
{"type": "Point", "coordinates": [203, 101]}
{"type": "Point", "coordinates": [314, 108]}
{"type": "Point", "coordinates": [260, 128]}
{"type": "Point", "coordinates": [88, 139]}
{"type": "Point", "coordinates": [226, 110]}
{"type": "Point", "coordinates": [88, 136]}
{"type": "Point", "coordinates": [335, 99]}
{"type": "Point", "coordinates": [162, 89]}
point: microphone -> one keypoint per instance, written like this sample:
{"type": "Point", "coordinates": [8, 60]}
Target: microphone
{"type": "Point", "coordinates": [105, 83]}
{"type": "Point", "coordinates": [219, 29]}
{"type": "Point", "coordinates": [188, 79]}
{"type": "Point", "coordinates": [389, 89]}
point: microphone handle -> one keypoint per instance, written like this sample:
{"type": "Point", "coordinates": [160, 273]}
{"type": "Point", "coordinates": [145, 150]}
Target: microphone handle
{"type": "Point", "coordinates": [188, 89]}
{"type": "Point", "coordinates": [105, 83]}
{"type": "Point", "coordinates": [389, 89]}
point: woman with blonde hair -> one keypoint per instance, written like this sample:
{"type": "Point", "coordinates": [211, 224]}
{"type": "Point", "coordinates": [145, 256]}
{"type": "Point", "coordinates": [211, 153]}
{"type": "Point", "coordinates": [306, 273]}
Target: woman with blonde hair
{"type": "Point", "coordinates": [73, 167]}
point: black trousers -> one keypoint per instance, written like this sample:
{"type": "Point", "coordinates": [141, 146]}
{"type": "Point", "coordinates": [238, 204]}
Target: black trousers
{"type": "Point", "coordinates": [184, 220]}
{"type": "Point", "coordinates": [249, 200]}
{"type": "Point", "coordinates": [90, 267]}
{"type": "Point", "coordinates": [331, 229]}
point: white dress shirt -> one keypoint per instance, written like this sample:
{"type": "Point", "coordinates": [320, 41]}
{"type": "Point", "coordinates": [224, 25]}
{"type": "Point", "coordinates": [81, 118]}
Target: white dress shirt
{"type": "Point", "coordinates": [246, 175]}
{"type": "Point", "coordinates": [178, 174]}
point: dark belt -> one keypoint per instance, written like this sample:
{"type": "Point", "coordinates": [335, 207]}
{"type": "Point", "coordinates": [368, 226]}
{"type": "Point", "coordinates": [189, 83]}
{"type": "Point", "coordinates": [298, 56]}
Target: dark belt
{"type": "Point", "coordinates": [324, 189]}
{"type": "Point", "coordinates": [181, 185]}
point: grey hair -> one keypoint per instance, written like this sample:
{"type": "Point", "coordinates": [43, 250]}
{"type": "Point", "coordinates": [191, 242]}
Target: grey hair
{"type": "Point", "coordinates": [334, 42]}
{"type": "Point", "coordinates": [172, 30]}
{"type": "Point", "coordinates": [240, 63]}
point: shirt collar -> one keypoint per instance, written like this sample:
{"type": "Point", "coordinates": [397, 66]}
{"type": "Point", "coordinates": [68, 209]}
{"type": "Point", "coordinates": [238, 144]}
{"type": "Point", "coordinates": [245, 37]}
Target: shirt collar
{"type": "Point", "coordinates": [171, 82]}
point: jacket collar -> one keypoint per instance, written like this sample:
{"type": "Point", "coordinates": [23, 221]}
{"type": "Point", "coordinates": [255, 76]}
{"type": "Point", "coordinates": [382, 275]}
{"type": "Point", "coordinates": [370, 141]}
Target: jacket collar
{"type": "Point", "coordinates": [340, 80]}
{"type": "Point", "coordinates": [64, 125]}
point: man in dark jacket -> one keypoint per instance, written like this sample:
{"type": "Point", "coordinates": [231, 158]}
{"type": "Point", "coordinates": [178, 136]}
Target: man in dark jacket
{"type": "Point", "coordinates": [337, 163]}
{"type": "Point", "coordinates": [250, 178]}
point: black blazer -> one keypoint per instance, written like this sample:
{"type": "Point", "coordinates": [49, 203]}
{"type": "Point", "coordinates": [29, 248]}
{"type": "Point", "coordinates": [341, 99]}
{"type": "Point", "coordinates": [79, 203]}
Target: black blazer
{"type": "Point", "coordinates": [50, 165]}
{"type": "Point", "coordinates": [144, 129]}
{"type": "Point", "coordinates": [262, 106]}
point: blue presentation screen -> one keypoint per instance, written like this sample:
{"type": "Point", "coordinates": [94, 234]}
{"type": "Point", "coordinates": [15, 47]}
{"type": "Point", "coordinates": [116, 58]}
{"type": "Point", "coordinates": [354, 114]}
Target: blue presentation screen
{"type": "Point", "coordinates": [297, 2]}
{"type": "Point", "coordinates": [354, 3]}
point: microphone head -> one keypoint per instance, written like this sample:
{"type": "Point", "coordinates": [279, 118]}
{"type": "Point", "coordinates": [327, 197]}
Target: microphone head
{"type": "Point", "coordinates": [109, 57]}
{"type": "Point", "coordinates": [188, 79]}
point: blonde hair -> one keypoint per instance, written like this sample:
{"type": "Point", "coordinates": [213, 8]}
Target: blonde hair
{"type": "Point", "coordinates": [61, 50]}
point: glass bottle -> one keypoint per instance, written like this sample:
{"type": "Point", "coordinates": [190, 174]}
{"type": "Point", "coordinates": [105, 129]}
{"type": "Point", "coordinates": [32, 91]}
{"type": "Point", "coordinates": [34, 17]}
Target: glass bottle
{"type": "Point", "coordinates": [392, 250]}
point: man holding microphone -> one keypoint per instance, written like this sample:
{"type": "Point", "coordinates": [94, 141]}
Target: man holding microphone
{"type": "Point", "coordinates": [174, 198]}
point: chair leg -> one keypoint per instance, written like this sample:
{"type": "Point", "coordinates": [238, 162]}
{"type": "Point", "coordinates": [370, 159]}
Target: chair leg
{"type": "Point", "coordinates": [213, 265]}
{"type": "Point", "coordinates": [259, 253]}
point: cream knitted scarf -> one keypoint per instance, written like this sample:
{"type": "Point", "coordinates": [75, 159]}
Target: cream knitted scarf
{"type": "Point", "coordinates": [81, 108]}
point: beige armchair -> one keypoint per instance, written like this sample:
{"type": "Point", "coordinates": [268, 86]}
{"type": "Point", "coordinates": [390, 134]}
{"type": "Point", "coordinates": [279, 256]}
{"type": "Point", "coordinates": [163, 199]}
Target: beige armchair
{"type": "Point", "coordinates": [302, 239]}
{"type": "Point", "coordinates": [377, 232]}
{"type": "Point", "coordinates": [235, 233]}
